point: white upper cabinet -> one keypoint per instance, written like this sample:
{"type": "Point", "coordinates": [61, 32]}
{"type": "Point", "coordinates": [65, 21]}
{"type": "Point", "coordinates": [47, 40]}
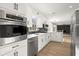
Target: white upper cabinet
{"type": "Point", "coordinates": [21, 8]}
{"type": "Point", "coordinates": [7, 6]}
{"type": "Point", "coordinates": [11, 8]}
{"type": "Point", "coordinates": [30, 14]}
{"type": "Point", "coordinates": [39, 23]}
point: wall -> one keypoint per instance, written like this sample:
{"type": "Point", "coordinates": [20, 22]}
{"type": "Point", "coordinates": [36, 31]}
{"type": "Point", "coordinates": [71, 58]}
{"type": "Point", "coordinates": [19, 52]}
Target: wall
{"type": "Point", "coordinates": [52, 27]}
{"type": "Point", "coordinates": [31, 12]}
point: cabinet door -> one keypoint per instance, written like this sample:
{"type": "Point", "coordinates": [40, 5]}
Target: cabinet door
{"type": "Point", "coordinates": [40, 41]}
{"type": "Point", "coordinates": [49, 37]}
{"type": "Point", "coordinates": [9, 54]}
{"type": "Point", "coordinates": [29, 15]}
{"type": "Point", "coordinates": [22, 51]}
{"type": "Point", "coordinates": [45, 40]}
{"type": "Point", "coordinates": [39, 44]}
{"type": "Point", "coordinates": [21, 8]}
{"type": "Point", "coordinates": [29, 21]}
{"type": "Point", "coordinates": [39, 23]}
{"type": "Point", "coordinates": [77, 17]}
{"type": "Point", "coordinates": [9, 6]}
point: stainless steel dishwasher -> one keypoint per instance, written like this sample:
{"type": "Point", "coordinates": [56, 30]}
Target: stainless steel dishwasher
{"type": "Point", "coordinates": [33, 46]}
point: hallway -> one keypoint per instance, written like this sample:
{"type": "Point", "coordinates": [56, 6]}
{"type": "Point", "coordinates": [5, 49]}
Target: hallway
{"type": "Point", "coordinates": [57, 48]}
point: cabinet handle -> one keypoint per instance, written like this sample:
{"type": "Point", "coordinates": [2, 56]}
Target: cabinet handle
{"type": "Point", "coordinates": [15, 46]}
{"type": "Point", "coordinates": [42, 40]}
{"type": "Point", "coordinates": [16, 53]}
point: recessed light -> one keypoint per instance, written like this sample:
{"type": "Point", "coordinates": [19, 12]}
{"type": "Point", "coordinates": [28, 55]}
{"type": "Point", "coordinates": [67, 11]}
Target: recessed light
{"type": "Point", "coordinates": [53, 12]}
{"type": "Point", "coordinates": [70, 6]}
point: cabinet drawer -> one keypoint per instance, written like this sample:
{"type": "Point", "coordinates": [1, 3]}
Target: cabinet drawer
{"type": "Point", "coordinates": [10, 47]}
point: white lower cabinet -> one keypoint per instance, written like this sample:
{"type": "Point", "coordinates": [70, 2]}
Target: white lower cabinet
{"type": "Point", "coordinates": [15, 49]}
{"type": "Point", "coordinates": [17, 52]}
{"type": "Point", "coordinates": [11, 53]}
{"type": "Point", "coordinates": [57, 36]}
{"type": "Point", "coordinates": [42, 41]}
{"type": "Point", "coordinates": [22, 51]}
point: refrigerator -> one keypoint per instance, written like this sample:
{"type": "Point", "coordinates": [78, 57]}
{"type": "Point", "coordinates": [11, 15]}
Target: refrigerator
{"type": "Point", "coordinates": [74, 32]}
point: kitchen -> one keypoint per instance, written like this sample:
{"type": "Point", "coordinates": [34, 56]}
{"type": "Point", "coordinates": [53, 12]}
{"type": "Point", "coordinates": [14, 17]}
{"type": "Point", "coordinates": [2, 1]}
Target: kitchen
{"type": "Point", "coordinates": [39, 29]}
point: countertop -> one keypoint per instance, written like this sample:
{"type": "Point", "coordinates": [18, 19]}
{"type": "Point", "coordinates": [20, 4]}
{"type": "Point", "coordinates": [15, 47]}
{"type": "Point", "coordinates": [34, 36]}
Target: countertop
{"type": "Point", "coordinates": [34, 35]}
{"type": "Point", "coordinates": [31, 36]}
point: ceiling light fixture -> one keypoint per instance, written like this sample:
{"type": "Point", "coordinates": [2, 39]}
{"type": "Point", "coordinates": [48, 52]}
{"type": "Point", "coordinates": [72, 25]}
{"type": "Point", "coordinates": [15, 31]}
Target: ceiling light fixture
{"type": "Point", "coordinates": [37, 13]}
{"type": "Point", "coordinates": [53, 12]}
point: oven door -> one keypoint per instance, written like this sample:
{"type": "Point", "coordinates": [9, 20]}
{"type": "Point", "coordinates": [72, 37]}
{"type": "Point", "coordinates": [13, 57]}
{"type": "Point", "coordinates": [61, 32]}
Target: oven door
{"type": "Point", "coordinates": [12, 33]}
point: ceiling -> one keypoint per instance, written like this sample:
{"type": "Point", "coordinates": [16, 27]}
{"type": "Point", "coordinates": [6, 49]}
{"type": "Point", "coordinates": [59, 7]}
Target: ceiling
{"type": "Point", "coordinates": [56, 12]}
